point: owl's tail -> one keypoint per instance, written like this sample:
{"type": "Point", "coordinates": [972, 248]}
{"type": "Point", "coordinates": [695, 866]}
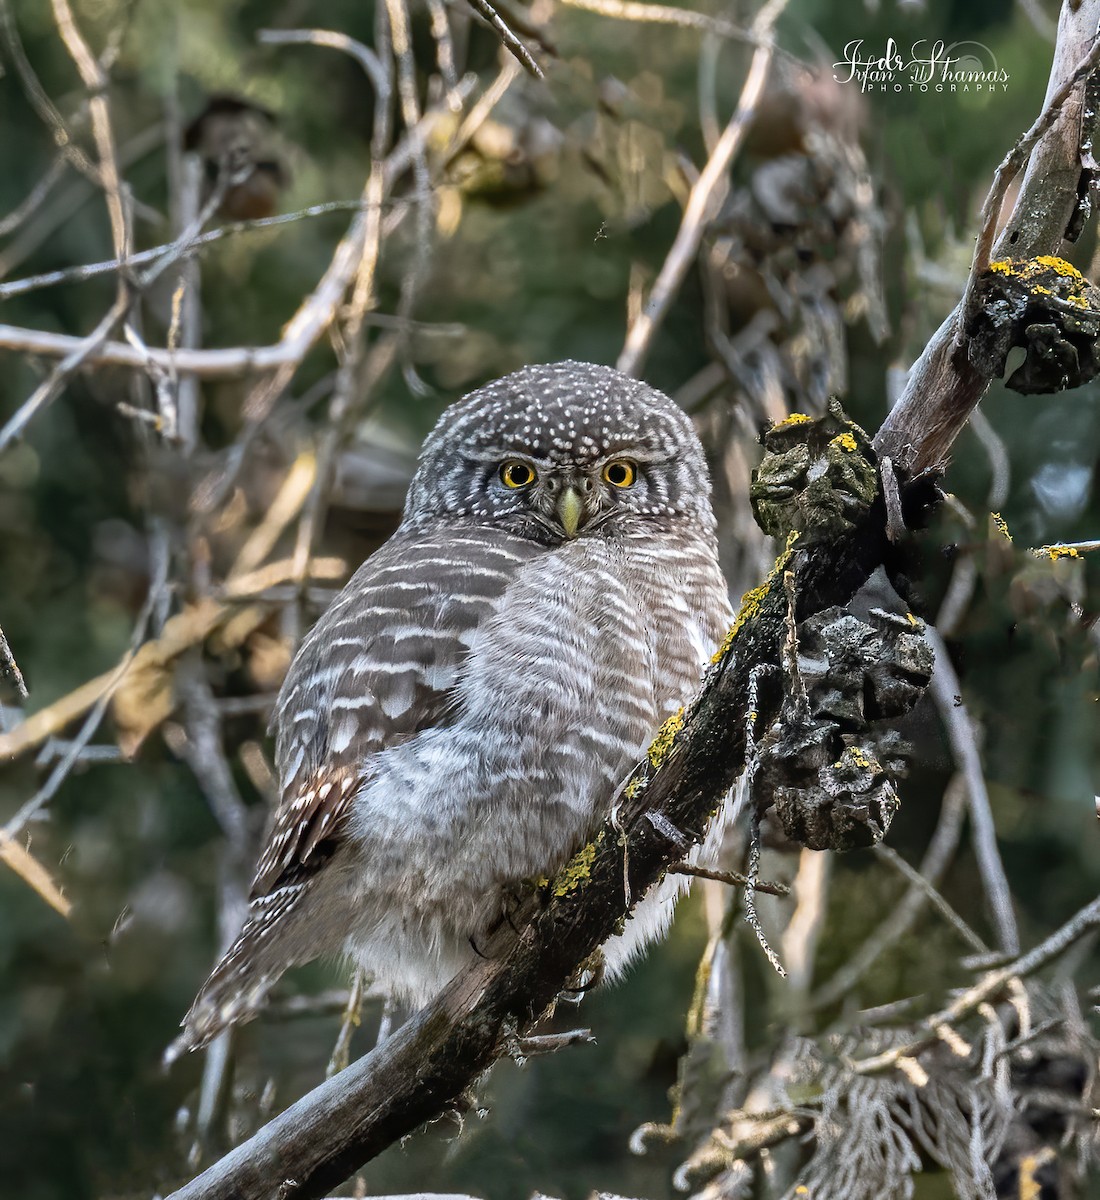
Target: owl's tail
{"type": "Point", "coordinates": [272, 940]}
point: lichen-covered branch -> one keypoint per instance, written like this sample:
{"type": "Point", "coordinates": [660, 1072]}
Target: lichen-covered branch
{"type": "Point", "coordinates": [945, 385]}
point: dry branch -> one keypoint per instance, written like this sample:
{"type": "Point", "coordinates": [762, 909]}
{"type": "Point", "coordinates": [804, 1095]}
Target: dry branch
{"type": "Point", "coordinates": [301, 332]}
{"type": "Point", "coordinates": [32, 872]}
{"type": "Point", "coordinates": [944, 386]}
{"type": "Point", "coordinates": [705, 195]}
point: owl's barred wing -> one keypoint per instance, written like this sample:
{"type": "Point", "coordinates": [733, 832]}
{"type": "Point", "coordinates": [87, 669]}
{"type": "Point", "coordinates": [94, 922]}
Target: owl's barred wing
{"type": "Point", "coordinates": [377, 668]}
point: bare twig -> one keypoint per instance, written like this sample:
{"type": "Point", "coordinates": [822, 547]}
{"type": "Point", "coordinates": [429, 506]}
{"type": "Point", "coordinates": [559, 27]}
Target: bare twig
{"type": "Point", "coordinates": [509, 39]}
{"type": "Point", "coordinates": [664, 14]}
{"type": "Point", "coordinates": [733, 878]}
{"type": "Point", "coordinates": [32, 872]}
{"type": "Point", "coordinates": [939, 853]}
{"type": "Point", "coordinates": [94, 77]}
{"type": "Point", "coordinates": [189, 627]}
{"type": "Point", "coordinates": [79, 350]}
{"type": "Point", "coordinates": [989, 987]}
{"type": "Point", "coordinates": [401, 41]}
{"type": "Point", "coordinates": [705, 196]}
{"type": "Point", "coordinates": [34, 197]}
{"type": "Point", "coordinates": [444, 44]}
{"type": "Point", "coordinates": [69, 197]}
{"type": "Point", "coordinates": [349, 1022]}
{"type": "Point", "coordinates": [363, 54]}
{"type": "Point", "coordinates": [889, 855]}
{"type": "Point", "coordinates": [40, 101]}
{"type": "Point", "coordinates": [19, 287]}
{"type": "Point", "coordinates": [803, 931]}
{"type": "Point", "coordinates": [60, 773]}
{"type": "Point", "coordinates": [282, 358]}
{"type": "Point", "coordinates": [9, 668]}
{"type": "Point", "coordinates": [960, 733]}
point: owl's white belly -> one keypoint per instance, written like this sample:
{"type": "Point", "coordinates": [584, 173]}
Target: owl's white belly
{"type": "Point", "coordinates": [564, 688]}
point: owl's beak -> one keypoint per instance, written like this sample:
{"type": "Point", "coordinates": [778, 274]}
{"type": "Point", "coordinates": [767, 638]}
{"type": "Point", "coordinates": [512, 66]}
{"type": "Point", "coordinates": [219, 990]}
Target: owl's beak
{"type": "Point", "coordinates": [571, 509]}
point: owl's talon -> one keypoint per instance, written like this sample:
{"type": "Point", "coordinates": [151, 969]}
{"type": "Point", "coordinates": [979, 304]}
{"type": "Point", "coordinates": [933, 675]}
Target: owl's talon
{"type": "Point", "coordinates": [587, 976]}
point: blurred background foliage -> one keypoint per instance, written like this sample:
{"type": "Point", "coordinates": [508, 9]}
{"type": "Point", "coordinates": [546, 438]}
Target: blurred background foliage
{"type": "Point", "coordinates": [545, 229]}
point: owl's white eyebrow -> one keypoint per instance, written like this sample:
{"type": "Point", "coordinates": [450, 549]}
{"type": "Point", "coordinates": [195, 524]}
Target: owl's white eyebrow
{"type": "Point", "coordinates": [639, 455]}
{"type": "Point", "coordinates": [496, 455]}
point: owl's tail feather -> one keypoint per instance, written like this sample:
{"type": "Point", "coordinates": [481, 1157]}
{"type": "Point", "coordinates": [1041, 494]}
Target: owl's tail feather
{"type": "Point", "coordinates": [271, 941]}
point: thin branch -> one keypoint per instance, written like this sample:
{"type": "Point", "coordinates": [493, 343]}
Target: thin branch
{"type": "Point", "coordinates": [703, 201]}
{"type": "Point", "coordinates": [732, 878]}
{"type": "Point", "coordinates": [935, 898]}
{"type": "Point", "coordinates": [960, 733]}
{"type": "Point", "coordinates": [40, 101]}
{"type": "Point", "coordinates": [509, 39]}
{"type": "Point", "coordinates": [95, 80]}
{"type": "Point", "coordinates": [34, 197]}
{"type": "Point", "coordinates": [988, 988]}
{"type": "Point", "coordinates": [944, 386]}
{"type": "Point", "coordinates": [444, 44]}
{"type": "Point", "coordinates": [401, 42]}
{"type": "Point", "coordinates": [187, 628]}
{"type": "Point", "coordinates": [19, 287]}
{"type": "Point", "coordinates": [68, 200]}
{"type": "Point", "coordinates": [32, 872]}
{"type": "Point", "coordinates": [9, 668]}
{"type": "Point", "coordinates": [363, 54]}
{"type": "Point", "coordinates": [77, 352]}
{"type": "Point", "coordinates": [664, 14]}
{"type": "Point", "coordinates": [940, 850]}
{"type": "Point", "coordinates": [60, 773]}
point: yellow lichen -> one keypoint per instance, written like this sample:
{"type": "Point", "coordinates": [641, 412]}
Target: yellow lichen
{"type": "Point", "coordinates": [1001, 525]}
{"type": "Point", "coordinates": [793, 419]}
{"type": "Point", "coordinates": [1033, 268]}
{"type": "Point", "coordinates": [1028, 1185]}
{"type": "Point", "coordinates": [1060, 267]}
{"type": "Point", "coordinates": [854, 754]}
{"type": "Point", "coordinates": [631, 789]}
{"type": "Point", "coordinates": [1057, 551]}
{"type": "Point", "coordinates": [576, 870]}
{"type": "Point", "coordinates": [752, 601]}
{"type": "Point", "coordinates": [845, 441]}
{"type": "Point", "coordinates": [666, 735]}
{"type": "Point", "coordinates": [916, 622]}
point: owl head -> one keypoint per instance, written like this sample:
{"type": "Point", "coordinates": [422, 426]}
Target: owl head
{"type": "Point", "coordinates": [564, 450]}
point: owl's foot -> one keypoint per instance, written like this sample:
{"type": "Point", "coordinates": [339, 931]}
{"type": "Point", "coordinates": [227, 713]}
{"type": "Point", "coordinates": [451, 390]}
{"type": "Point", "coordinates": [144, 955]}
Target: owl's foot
{"type": "Point", "coordinates": [457, 1111]}
{"type": "Point", "coordinates": [515, 908]}
{"type": "Point", "coordinates": [586, 977]}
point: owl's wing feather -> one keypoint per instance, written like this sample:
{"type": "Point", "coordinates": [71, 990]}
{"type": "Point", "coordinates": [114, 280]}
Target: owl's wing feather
{"type": "Point", "coordinates": [377, 668]}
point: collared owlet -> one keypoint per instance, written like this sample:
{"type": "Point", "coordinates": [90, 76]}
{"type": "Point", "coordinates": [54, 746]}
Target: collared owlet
{"type": "Point", "coordinates": [460, 718]}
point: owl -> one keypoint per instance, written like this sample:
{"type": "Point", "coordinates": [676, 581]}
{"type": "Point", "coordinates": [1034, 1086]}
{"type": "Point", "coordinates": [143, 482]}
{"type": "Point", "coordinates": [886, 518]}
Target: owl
{"type": "Point", "coordinates": [458, 721]}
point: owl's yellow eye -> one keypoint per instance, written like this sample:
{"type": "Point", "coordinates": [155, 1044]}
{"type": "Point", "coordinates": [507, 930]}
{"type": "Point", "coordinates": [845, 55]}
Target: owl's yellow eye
{"type": "Point", "coordinates": [516, 474]}
{"type": "Point", "coordinates": [620, 472]}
